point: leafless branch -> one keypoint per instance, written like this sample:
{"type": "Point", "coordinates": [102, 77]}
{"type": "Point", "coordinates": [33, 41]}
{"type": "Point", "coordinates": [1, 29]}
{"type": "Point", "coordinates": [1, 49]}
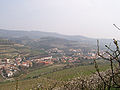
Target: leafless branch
{"type": "Point", "coordinates": [116, 26]}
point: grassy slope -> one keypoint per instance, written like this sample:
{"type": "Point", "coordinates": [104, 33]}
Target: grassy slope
{"type": "Point", "coordinates": [39, 71]}
{"type": "Point", "coordinates": [45, 80]}
{"type": "Point", "coordinates": [27, 84]}
{"type": "Point", "coordinates": [1, 78]}
{"type": "Point", "coordinates": [10, 50]}
{"type": "Point", "coordinates": [68, 74]}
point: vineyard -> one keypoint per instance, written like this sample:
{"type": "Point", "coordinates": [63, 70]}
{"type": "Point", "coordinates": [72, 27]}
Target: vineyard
{"type": "Point", "coordinates": [51, 76]}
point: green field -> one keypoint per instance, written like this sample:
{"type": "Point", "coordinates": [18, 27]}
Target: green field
{"type": "Point", "coordinates": [9, 50]}
{"type": "Point", "coordinates": [42, 70]}
{"type": "Point", "coordinates": [68, 74]}
{"type": "Point", "coordinates": [27, 81]}
{"type": "Point", "coordinates": [28, 84]}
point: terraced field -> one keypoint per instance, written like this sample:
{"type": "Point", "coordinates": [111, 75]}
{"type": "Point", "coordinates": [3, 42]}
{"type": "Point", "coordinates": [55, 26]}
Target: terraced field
{"type": "Point", "coordinates": [9, 49]}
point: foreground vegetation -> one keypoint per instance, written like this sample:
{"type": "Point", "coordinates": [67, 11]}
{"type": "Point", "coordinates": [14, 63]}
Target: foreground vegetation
{"type": "Point", "coordinates": [51, 79]}
{"type": "Point", "coordinates": [70, 76]}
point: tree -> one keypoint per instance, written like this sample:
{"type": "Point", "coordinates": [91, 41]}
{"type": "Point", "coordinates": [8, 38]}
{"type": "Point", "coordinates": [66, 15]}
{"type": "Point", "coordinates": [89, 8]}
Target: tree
{"type": "Point", "coordinates": [114, 58]}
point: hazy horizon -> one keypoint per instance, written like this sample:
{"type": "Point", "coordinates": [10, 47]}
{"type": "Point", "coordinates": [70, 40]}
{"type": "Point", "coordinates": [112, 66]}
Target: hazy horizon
{"type": "Point", "coordinates": [88, 18]}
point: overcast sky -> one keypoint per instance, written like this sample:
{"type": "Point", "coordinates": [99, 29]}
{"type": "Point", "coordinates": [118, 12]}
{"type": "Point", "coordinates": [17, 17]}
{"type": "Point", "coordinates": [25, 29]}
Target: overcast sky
{"type": "Point", "coordinates": [91, 18]}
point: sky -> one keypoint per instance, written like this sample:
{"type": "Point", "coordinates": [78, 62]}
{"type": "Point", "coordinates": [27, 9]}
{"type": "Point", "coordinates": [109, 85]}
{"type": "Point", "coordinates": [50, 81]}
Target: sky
{"type": "Point", "coordinates": [91, 18]}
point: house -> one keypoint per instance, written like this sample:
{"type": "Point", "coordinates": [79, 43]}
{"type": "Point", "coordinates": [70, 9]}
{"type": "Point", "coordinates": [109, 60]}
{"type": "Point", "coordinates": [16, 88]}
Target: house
{"type": "Point", "coordinates": [8, 60]}
{"type": "Point", "coordinates": [25, 64]}
{"type": "Point", "coordinates": [9, 73]}
{"type": "Point", "coordinates": [46, 58]}
{"type": "Point", "coordinates": [30, 63]}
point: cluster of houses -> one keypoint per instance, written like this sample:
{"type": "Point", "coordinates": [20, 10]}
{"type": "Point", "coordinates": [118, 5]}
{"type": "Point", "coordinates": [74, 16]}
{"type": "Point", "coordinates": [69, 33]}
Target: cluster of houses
{"type": "Point", "coordinates": [55, 51]}
{"type": "Point", "coordinates": [74, 53]}
{"type": "Point", "coordinates": [43, 60]}
{"type": "Point", "coordinates": [79, 53]}
{"type": "Point", "coordinates": [71, 59]}
{"type": "Point", "coordinates": [8, 67]}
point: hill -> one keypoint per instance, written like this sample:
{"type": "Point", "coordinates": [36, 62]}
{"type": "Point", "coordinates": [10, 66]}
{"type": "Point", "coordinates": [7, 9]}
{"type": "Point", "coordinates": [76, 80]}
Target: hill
{"type": "Point", "coordinates": [10, 49]}
{"type": "Point", "coordinates": [38, 36]}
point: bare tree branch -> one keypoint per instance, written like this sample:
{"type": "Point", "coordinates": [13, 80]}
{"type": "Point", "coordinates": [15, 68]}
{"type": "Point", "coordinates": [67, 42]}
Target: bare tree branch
{"type": "Point", "coordinates": [116, 26]}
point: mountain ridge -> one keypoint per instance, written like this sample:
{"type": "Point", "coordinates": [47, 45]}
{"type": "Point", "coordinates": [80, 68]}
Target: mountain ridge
{"type": "Point", "coordinates": [53, 34]}
{"type": "Point", "coordinates": [36, 35]}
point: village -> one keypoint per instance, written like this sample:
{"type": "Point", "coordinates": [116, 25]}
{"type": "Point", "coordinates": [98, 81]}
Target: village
{"type": "Point", "coordinates": [9, 67]}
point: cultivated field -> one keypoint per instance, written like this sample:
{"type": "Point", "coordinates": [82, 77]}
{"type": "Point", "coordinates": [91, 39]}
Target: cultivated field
{"type": "Point", "coordinates": [47, 77]}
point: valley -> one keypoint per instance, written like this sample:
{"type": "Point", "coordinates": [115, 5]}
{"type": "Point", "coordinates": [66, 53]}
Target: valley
{"type": "Point", "coordinates": [48, 61]}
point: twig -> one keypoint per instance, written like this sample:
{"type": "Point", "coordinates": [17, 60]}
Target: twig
{"type": "Point", "coordinates": [116, 26]}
